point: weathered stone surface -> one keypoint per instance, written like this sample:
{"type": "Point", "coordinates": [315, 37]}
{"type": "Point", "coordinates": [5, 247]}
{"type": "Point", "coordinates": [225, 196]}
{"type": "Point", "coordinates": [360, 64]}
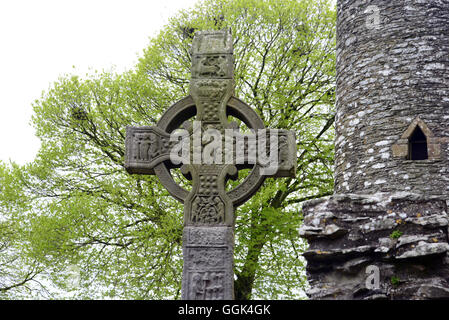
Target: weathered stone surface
{"type": "Point", "coordinates": [391, 76]}
{"type": "Point", "coordinates": [436, 290]}
{"type": "Point", "coordinates": [148, 147]}
{"type": "Point", "coordinates": [424, 249]}
{"type": "Point", "coordinates": [382, 230]}
{"type": "Point", "coordinates": [353, 265]}
{"type": "Point", "coordinates": [208, 272]}
{"type": "Point", "coordinates": [436, 220]}
{"type": "Point", "coordinates": [392, 79]}
{"type": "Point", "coordinates": [330, 231]}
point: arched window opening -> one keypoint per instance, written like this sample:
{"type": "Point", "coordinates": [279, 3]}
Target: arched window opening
{"type": "Point", "coordinates": [418, 145]}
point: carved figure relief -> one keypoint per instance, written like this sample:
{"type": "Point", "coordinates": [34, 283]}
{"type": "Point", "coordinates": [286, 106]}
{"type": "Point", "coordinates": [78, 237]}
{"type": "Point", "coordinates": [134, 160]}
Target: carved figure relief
{"type": "Point", "coordinates": [208, 184]}
{"type": "Point", "coordinates": [199, 258]}
{"type": "Point", "coordinates": [147, 146]}
{"type": "Point", "coordinates": [207, 286]}
{"type": "Point", "coordinates": [284, 154]}
{"type": "Point", "coordinates": [214, 66]}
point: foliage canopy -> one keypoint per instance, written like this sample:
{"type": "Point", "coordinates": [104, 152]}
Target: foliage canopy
{"type": "Point", "coordinates": [76, 205]}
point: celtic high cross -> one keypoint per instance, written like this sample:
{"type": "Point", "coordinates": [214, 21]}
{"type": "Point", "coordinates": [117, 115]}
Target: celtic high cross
{"type": "Point", "coordinates": [208, 236]}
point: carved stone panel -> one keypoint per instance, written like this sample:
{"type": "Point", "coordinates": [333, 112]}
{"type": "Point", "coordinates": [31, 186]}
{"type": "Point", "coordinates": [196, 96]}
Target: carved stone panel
{"type": "Point", "coordinates": [211, 42]}
{"type": "Point", "coordinates": [212, 66]}
{"type": "Point", "coordinates": [145, 148]}
{"type": "Point", "coordinates": [208, 263]}
{"type": "Point", "coordinates": [207, 210]}
{"type": "Point", "coordinates": [287, 154]}
{"type": "Point", "coordinates": [207, 236]}
{"type": "Point", "coordinates": [206, 285]}
{"type": "Point", "coordinates": [205, 258]}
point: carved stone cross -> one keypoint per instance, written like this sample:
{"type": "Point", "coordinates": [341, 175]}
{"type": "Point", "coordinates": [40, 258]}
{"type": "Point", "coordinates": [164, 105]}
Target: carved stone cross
{"type": "Point", "coordinates": [208, 236]}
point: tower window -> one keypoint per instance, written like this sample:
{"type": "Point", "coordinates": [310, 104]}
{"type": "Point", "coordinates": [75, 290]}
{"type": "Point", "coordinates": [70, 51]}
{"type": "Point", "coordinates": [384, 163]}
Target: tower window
{"type": "Point", "coordinates": [418, 145]}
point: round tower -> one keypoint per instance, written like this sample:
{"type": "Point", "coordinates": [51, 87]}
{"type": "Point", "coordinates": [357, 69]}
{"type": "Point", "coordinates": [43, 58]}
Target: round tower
{"type": "Point", "coordinates": [384, 232]}
{"type": "Point", "coordinates": [392, 123]}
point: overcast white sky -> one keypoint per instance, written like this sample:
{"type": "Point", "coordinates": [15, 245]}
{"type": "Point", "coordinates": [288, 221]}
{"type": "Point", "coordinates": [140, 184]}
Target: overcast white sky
{"type": "Point", "coordinates": [42, 39]}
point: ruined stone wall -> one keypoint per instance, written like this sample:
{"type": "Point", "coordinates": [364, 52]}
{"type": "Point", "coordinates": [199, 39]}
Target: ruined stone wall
{"type": "Point", "coordinates": [392, 67]}
{"type": "Point", "coordinates": [380, 246]}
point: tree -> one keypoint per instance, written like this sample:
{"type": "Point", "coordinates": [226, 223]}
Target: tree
{"type": "Point", "coordinates": [17, 271]}
{"type": "Point", "coordinates": [124, 231]}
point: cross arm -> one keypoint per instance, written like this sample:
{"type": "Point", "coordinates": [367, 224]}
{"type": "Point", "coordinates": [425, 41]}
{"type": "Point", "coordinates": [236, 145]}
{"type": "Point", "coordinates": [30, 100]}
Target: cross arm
{"type": "Point", "coordinates": [146, 147]}
{"type": "Point", "coordinates": [276, 161]}
{"type": "Point", "coordinates": [286, 154]}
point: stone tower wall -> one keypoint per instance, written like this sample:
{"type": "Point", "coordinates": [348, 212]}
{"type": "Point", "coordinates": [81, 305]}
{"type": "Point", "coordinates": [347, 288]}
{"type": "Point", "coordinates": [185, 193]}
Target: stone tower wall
{"type": "Point", "coordinates": [392, 67]}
